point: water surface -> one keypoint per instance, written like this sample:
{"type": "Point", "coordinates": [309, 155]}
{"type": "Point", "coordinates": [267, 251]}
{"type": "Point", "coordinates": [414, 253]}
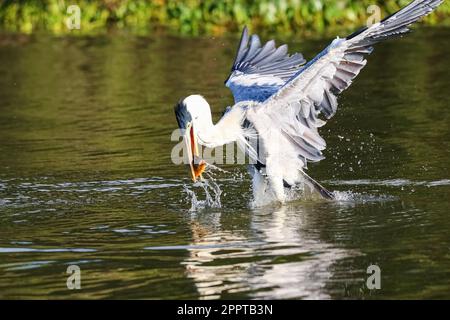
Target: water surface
{"type": "Point", "coordinates": [86, 177]}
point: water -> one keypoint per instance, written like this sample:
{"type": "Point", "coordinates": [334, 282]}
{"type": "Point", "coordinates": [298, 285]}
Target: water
{"type": "Point", "coordinates": [86, 178]}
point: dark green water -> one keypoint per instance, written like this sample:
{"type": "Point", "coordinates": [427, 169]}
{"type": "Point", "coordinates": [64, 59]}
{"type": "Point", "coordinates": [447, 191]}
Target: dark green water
{"type": "Point", "coordinates": [86, 178]}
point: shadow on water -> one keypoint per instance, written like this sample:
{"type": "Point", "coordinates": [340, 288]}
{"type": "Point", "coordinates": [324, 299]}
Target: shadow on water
{"type": "Point", "coordinates": [86, 178]}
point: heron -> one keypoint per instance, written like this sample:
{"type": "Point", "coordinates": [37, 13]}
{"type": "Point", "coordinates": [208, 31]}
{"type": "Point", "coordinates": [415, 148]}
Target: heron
{"type": "Point", "coordinates": [283, 100]}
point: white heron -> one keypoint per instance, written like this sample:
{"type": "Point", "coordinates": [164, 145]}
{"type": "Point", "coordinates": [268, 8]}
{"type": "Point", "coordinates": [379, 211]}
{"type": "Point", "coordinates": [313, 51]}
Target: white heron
{"type": "Point", "coordinates": [280, 99]}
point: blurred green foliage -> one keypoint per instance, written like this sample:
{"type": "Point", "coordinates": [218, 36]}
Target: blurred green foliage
{"type": "Point", "coordinates": [194, 17]}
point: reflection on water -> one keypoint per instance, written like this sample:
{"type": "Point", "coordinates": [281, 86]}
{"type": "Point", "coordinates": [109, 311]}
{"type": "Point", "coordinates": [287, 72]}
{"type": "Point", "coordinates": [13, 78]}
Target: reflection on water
{"type": "Point", "coordinates": [86, 178]}
{"type": "Point", "coordinates": [282, 261]}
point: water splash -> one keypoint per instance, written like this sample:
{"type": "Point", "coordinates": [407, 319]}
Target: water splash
{"type": "Point", "coordinates": [355, 197]}
{"type": "Point", "coordinates": [211, 191]}
{"type": "Point", "coordinates": [264, 195]}
{"type": "Point", "coordinates": [210, 167]}
{"type": "Point", "coordinates": [304, 193]}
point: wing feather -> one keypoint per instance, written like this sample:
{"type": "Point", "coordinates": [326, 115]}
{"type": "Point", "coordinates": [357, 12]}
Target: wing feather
{"type": "Point", "coordinates": [312, 91]}
{"type": "Point", "coordinates": [260, 70]}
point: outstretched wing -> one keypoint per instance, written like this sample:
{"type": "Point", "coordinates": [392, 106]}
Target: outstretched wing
{"type": "Point", "coordinates": [294, 110]}
{"type": "Point", "coordinates": [259, 71]}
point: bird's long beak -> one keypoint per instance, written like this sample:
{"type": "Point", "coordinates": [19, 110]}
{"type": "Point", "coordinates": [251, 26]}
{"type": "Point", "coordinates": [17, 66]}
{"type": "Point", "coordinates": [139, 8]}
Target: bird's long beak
{"type": "Point", "coordinates": [196, 165]}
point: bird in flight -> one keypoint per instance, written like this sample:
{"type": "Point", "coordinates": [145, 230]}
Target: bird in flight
{"type": "Point", "coordinates": [281, 101]}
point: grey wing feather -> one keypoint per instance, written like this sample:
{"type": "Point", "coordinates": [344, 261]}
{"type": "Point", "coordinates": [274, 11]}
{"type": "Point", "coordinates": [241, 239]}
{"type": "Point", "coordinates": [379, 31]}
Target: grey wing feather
{"type": "Point", "coordinates": [314, 88]}
{"type": "Point", "coordinates": [254, 59]}
{"type": "Point", "coordinates": [397, 23]}
{"type": "Point", "coordinates": [260, 70]}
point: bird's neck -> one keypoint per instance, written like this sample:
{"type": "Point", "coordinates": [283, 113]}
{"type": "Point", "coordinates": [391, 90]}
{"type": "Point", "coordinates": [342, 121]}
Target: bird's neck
{"type": "Point", "coordinates": [226, 130]}
{"type": "Point", "coordinates": [205, 123]}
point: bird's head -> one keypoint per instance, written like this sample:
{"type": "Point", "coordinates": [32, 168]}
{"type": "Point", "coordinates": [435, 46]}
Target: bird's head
{"type": "Point", "coordinates": [193, 115]}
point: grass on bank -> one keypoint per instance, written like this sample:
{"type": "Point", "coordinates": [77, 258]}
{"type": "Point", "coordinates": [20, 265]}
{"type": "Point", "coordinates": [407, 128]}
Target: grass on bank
{"type": "Point", "coordinates": [194, 17]}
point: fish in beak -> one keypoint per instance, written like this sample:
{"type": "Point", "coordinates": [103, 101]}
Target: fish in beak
{"type": "Point", "coordinates": [196, 165]}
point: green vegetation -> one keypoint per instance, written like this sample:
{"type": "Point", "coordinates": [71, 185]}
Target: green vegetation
{"type": "Point", "coordinates": [194, 17]}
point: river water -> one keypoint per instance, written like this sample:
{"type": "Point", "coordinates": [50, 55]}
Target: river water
{"type": "Point", "coordinates": [86, 177]}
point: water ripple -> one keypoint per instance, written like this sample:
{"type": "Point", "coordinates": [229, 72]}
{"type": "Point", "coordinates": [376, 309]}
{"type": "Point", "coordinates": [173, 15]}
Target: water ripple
{"type": "Point", "coordinates": [390, 183]}
{"type": "Point", "coordinates": [22, 250]}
